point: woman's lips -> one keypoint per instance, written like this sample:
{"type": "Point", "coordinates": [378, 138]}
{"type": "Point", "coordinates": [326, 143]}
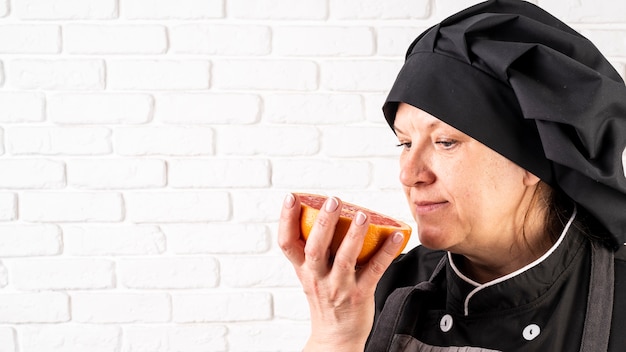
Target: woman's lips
{"type": "Point", "coordinates": [426, 207]}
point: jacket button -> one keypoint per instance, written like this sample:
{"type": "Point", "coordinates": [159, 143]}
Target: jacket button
{"type": "Point", "coordinates": [531, 332]}
{"type": "Point", "coordinates": [446, 323]}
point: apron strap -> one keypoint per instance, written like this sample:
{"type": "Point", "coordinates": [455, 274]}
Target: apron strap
{"type": "Point", "coordinates": [600, 301]}
{"type": "Point", "coordinates": [395, 305]}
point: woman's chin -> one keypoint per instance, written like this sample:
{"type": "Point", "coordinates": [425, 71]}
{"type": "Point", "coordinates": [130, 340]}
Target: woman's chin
{"type": "Point", "coordinates": [434, 239]}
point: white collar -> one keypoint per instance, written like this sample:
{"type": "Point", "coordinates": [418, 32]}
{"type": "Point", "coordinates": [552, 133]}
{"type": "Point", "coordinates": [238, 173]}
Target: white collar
{"type": "Point", "coordinates": [479, 286]}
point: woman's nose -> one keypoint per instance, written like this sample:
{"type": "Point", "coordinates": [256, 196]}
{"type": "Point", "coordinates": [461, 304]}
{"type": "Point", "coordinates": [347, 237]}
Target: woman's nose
{"type": "Point", "coordinates": [415, 169]}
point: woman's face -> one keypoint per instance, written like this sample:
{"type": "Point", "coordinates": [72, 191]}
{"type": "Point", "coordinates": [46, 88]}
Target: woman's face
{"type": "Point", "coordinates": [464, 196]}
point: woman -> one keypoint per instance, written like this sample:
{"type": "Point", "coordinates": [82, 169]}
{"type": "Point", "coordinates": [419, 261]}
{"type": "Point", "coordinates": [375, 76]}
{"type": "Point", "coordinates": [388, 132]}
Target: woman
{"type": "Point", "coordinates": [512, 128]}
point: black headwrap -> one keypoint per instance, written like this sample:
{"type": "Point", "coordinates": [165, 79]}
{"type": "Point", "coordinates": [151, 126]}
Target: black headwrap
{"type": "Point", "coordinates": [531, 88]}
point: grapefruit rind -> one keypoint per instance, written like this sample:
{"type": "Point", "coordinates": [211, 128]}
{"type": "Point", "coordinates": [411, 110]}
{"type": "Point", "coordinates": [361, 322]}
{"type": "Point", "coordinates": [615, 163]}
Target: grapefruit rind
{"type": "Point", "coordinates": [379, 229]}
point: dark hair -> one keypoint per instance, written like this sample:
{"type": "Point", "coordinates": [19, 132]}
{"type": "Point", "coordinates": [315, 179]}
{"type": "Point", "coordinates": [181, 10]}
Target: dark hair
{"type": "Point", "coordinates": [559, 210]}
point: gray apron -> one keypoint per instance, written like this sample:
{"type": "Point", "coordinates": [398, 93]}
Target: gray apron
{"type": "Point", "coordinates": [387, 334]}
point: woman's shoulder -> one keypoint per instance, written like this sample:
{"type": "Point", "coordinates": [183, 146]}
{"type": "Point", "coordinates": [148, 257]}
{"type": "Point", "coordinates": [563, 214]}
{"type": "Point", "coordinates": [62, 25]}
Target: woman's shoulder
{"type": "Point", "coordinates": [409, 269]}
{"type": "Point", "coordinates": [418, 263]}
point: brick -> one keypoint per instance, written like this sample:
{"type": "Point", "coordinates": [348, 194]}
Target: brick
{"type": "Point", "coordinates": [56, 274]}
{"type": "Point", "coordinates": [386, 173]}
{"type": "Point", "coordinates": [257, 205]}
{"type": "Point", "coordinates": [278, 9]}
{"type": "Point", "coordinates": [598, 11]}
{"type": "Point", "coordinates": [265, 75]}
{"type": "Point", "coordinates": [19, 107]}
{"type": "Point", "coordinates": [320, 173]}
{"type": "Point", "coordinates": [322, 41]}
{"type": "Point", "coordinates": [268, 140]}
{"type": "Point", "coordinates": [140, 141]}
{"type": "Point", "coordinates": [367, 76]}
{"type": "Point", "coordinates": [168, 273]}
{"type": "Point", "coordinates": [58, 140]}
{"type": "Point", "coordinates": [168, 338]}
{"type": "Point", "coordinates": [30, 39]}
{"type": "Point", "coordinates": [231, 238]}
{"type": "Point", "coordinates": [66, 108]}
{"type": "Point", "coordinates": [66, 9]}
{"type": "Point", "coordinates": [235, 40]}
{"type": "Point", "coordinates": [32, 173]}
{"type": "Point", "coordinates": [116, 173]}
{"type": "Point", "coordinates": [109, 307]}
{"type": "Point", "coordinates": [27, 307]}
{"type": "Point", "coordinates": [8, 342]}
{"type": "Point", "coordinates": [373, 9]}
{"type": "Point", "coordinates": [221, 307]}
{"type": "Point", "coordinates": [177, 206]}
{"type": "Point", "coordinates": [355, 141]}
{"type": "Point", "coordinates": [69, 338]}
{"type": "Point", "coordinates": [257, 271]}
{"type": "Point", "coordinates": [393, 41]}
{"type": "Point", "coordinates": [118, 39]}
{"type": "Point", "coordinates": [114, 240]}
{"type": "Point", "coordinates": [374, 107]}
{"type": "Point", "coordinates": [8, 206]}
{"type": "Point", "coordinates": [610, 42]}
{"type": "Point", "coordinates": [56, 74]}
{"type": "Point", "coordinates": [284, 336]}
{"type": "Point", "coordinates": [24, 240]}
{"type": "Point", "coordinates": [291, 304]}
{"type": "Point", "coordinates": [4, 276]}
{"type": "Point", "coordinates": [158, 74]}
{"type": "Point", "coordinates": [445, 9]}
{"type": "Point", "coordinates": [313, 109]}
{"type": "Point", "coordinates": [207, 108]}
{"type": "Point", "coordinates": [164, 9]}
{"type": "Point", "coordinates": [218, 173]}
{"type": "Point", "coordinates": [70, 206]}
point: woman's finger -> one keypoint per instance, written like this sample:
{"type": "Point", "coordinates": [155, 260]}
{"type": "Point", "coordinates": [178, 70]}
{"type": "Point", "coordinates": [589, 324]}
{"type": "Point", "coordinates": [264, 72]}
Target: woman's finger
{"type": "Point", "coordinates": [371, 273]}
{"type": "Point", "coordinates": [289, 239]}
{"type": "Point", "coordinates": [317, 247]}
{"type": "Point", "coordinates": [348, 252]}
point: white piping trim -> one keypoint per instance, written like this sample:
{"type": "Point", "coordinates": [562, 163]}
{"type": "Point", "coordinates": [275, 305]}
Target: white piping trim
{"type": "Point", "coordinates": [513, 274]}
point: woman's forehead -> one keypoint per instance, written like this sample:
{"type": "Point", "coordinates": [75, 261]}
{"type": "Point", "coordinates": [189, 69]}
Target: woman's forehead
{"type": "Point", "coordinates": [409, 116]}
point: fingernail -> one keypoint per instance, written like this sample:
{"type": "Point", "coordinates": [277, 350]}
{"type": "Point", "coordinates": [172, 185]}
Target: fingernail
{"type": "Point", "coordinates": [397, 237]}
{"type": "Point", "coordinates": [289, 201]}
{"type": "Point", "coordinates": [360, 218]}
{"type": "Point", "coordinates": [331, 204]}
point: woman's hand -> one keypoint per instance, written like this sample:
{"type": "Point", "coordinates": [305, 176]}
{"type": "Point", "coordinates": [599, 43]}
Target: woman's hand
{"type": "Point", "coordinates": [341, 298]}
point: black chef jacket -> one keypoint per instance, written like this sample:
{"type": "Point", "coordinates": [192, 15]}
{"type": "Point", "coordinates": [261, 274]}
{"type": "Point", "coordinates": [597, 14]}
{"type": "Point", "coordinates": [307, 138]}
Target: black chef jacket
{"type": "Point", "coordinates": [541, 307]}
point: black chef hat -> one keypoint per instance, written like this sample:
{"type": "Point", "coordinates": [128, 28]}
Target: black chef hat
{"type": "Point", "coordinates": [531, 88]}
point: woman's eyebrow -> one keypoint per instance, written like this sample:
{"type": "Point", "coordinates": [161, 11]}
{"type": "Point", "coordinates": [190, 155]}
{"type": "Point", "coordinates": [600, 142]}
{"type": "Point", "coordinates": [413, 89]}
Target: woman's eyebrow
{"type": "Point", "coordinates": [398, 130]}
{"type": "Point", "coordinates": [430, 127]}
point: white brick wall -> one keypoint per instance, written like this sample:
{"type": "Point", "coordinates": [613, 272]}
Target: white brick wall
{"type": "Point", "coordinates": [65, 9]}
{"type": "Point", "coordinates": [146, 147]}
{"type": "Point", "coordinates": [55, 74]}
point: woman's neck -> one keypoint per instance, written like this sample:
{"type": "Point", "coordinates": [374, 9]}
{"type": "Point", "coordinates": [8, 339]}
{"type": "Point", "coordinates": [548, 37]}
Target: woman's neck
{"type": "Point", "coordinates": [483, 270]}
{"type": "Point", "coordinates": [503, 258]}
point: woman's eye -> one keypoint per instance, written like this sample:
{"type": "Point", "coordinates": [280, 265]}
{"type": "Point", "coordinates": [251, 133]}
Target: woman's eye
{"type": "Point", "coordinates": [446, 144]}
{"type": "Point", "coordinates": [405, 145]}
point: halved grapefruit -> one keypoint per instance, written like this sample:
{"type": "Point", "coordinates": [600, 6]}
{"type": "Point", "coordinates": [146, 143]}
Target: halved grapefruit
{"type": "Point", "coordinates": [380, 226]}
